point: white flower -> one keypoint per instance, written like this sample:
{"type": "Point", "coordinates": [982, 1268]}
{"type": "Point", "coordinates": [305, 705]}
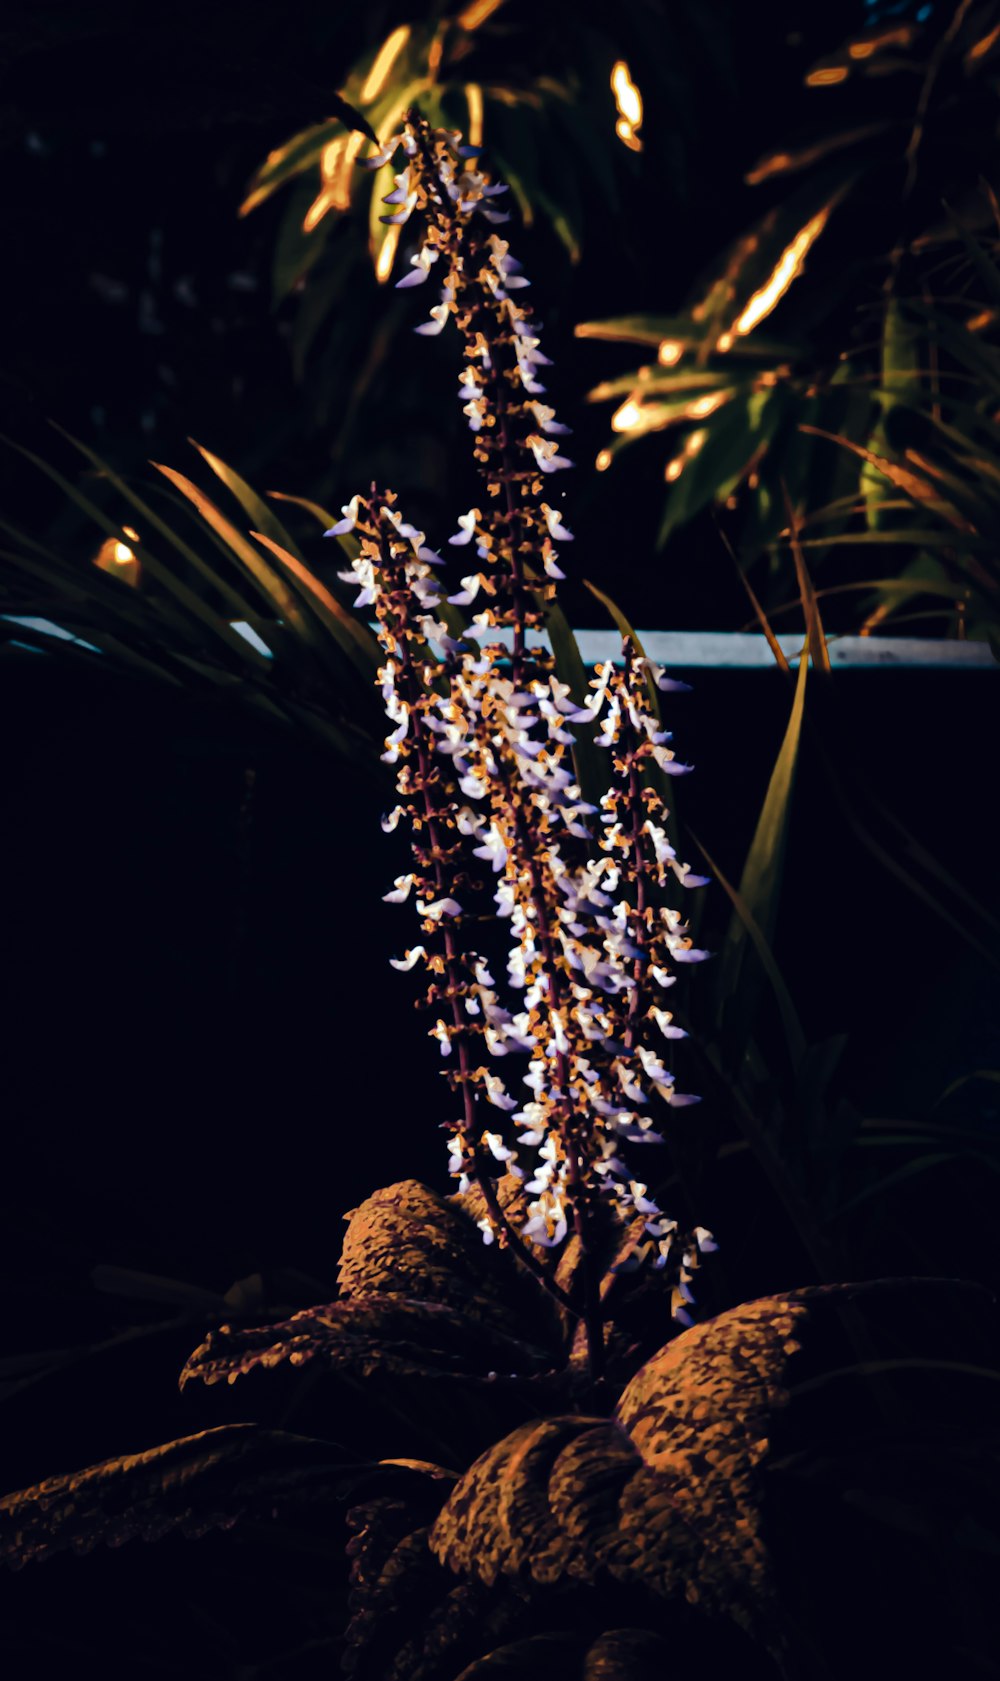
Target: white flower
{"type": "Point", "coordinates": [470, 588]}
{"type": "Point", "coordinates": [391, 819]}
{"type": "Point", "coordinates": [664, 1021]}
{"type": "Point", "coordinates": [401, 891]}
{"type": "Point", "coordinates": [440, 1032]}
{"type": "Point", "coordinates": [349, 521]}
{"type": "Point", "coordinates": [439, 908]}
{"type": "Point", "coordinates": [497, 1148]}
{"type": "Point", "coordinates": [493, 849]}
{"type": "Point", "coordinates": [496, 1092]}
{"type": "Point", "coordinates": [412, 956]}
{"type": "Point", "coordinates": [466, 528]}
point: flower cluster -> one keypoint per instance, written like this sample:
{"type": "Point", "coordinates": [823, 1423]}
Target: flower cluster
{"type": "Point", "coordinates": [482, 738]}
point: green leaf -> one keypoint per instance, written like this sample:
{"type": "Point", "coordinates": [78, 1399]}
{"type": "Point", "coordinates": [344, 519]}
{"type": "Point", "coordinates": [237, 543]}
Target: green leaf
{"type": "Point", "coordinates": [794, 1035]}
{"type": "Point", "coordinates": [760, 883]}
{"type": "Point", "coordinates": [733, 436]}
{"type": "Point", "coordinates": [182, 594]}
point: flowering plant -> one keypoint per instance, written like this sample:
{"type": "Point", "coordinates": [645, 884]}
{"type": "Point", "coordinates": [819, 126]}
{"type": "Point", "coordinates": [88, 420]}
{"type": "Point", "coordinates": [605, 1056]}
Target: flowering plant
{"type": "Point", "coordinates": [594, 1485]}
{"type": "Point", "coordinates": [483, 733]}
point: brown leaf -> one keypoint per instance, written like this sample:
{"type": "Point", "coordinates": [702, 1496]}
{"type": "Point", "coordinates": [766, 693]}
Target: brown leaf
{"type": "Point", "coordinates": [202, 1482]}
{"type": "Point", "coordinates": [360, 1336]}
{"type": "Point", "coordinates": [405, 1240]}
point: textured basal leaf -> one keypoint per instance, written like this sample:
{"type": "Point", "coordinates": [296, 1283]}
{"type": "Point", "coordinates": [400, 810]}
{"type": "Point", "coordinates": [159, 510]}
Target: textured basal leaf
{"type": "Point", "coordinates": [390, 1335]}
{"type": "Point", "coordinates": [410, 1619]}
{"type": "Point", "coordinates": [665, 1496]}
{"type": "Point", "coordinates": [699, 1415]}
{"type": "Point", "coordinates": [405, 1240]}
{"type": "Point", "coordinates": [499, 1510]}
{"type": "Point", "coordinates": [195, 1484]}
{"type": "Point", "coordinates": [585, 1488]}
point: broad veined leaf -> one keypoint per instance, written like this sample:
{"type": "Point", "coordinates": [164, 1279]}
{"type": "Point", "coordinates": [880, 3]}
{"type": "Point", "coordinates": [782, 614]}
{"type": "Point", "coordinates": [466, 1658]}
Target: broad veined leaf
{"type": "Point", "coordinates": [198, 1483]}
{"type": "Point", "coordinates": [406, 1240]}
{"type": "Point", "coordinates": [366, 1335]}
{"type": "Point", "coordinates": [670, 1494]}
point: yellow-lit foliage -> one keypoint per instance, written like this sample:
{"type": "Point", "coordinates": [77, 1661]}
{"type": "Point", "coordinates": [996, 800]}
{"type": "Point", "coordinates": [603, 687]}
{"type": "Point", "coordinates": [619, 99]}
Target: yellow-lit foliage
{"type": "Point", "coordinates": [628, 99]}
{"type": "Point", "coordinates": [789, 265]}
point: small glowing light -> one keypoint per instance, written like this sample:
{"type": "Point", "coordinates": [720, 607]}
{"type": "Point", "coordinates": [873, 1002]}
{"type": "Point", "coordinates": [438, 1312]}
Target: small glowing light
{"type": "Point", "coordinates": [862, 49]}
{"type": "Point", "coordinates": [387, 254]}
{"type": "Point", "coordinates": [317, 210]}
{"type": "Point", "coordinates": [336, 165]}
{"type": "Point", "coordinates": [724, 342]}
{"type": "Point", "coordinates": [984, 319]}
{"type": "Point", "coordinates": [693, 443]}
{"type": "Point", "coordinates": [770, 166]}
{"type": "Point", "coordinates": [627, 95]}
{"type": "Point", "coordinates": [474, 99]}
{"type": "Point", "coordinates": [115, 556]}
{"type": "Point", "coordinates": [669, 353]}
{"type": "Point", "coordinates": [625, 133]}
{"type": "Point", "coordinates": [384, 61]}
{"type": "Point", "coordinates": [629, 102]}
{"type": "Point", "coordinates": [826, 78]}
{"type": "Point", "coordinates": [627, 418]}
{"type": "Point", "coordinates": [706, 405]}
{"type": "Point", "coordinates": [603, 461]}
{"type": "Point", "coordinates": [789, 265]}
{"type": "Point", "coordinates": [477, 13]}
{"type": "Point", "coordinates": [674, 469]}
{"type": "Point", "coordinates": [983, 46]}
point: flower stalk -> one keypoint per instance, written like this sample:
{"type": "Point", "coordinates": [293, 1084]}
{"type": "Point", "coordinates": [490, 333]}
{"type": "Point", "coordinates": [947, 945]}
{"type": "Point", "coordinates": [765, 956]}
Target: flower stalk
{"type": "Point", "coordinates": [483, 740]}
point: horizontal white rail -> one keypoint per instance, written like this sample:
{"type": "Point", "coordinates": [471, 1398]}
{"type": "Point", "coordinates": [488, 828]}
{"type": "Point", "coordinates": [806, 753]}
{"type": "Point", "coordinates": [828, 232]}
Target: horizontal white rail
{"type": "Point", "coordinates": [713, 650]}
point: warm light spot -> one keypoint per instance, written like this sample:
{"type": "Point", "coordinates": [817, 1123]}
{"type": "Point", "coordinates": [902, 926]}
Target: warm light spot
{"type": "Point", "coordinates": [474, 100]}
{"type": "Point", "coordinates": [317, 210]}
{"type": "Point", "coordinates": [477, 13]}
{"type": "Point", "coordinates": [387, 254]}
{"type": "Point", "coordinates": [116, 557]}
{"type": "Point", "coordinates": [627, 95]}
{"type": "Point", "coordinates": [789, 265]}
{"type": "Point", "coordinates": [706, 405]}
{"type": "Point", "coordinates": [984, 319]}
{"type": "Point", "coordinates": [669, 353]}
{"type": "Point", "coordinates": [329, 162]}
{"type": "Point", "coordinates": [627, 418]}
{"type": "Point", "coordinates": [693, 443]}
{"type": "Point", "coordinates": [336, 165]}
{"type": "Point", "coordinates": [603, 461]}
{"type": "Point", "coordinates": [434, 56]}
{"type": "Point", "coordinates": [770, 166]}
{"type": "Point", "coordinates": [983, 46]}
{"type": "Point", "coordinates": [629, 102]}
{"type": "Point", "coordinates": [826, 78]}
{"type": "Point", "coordinates": [674, 469]}
{"type": "Point", "coordinates": [870, 44]}
{"type": "Point", "coordinates": [384, 61]}
{"type": "Point", "coordinates": [724, 342]}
